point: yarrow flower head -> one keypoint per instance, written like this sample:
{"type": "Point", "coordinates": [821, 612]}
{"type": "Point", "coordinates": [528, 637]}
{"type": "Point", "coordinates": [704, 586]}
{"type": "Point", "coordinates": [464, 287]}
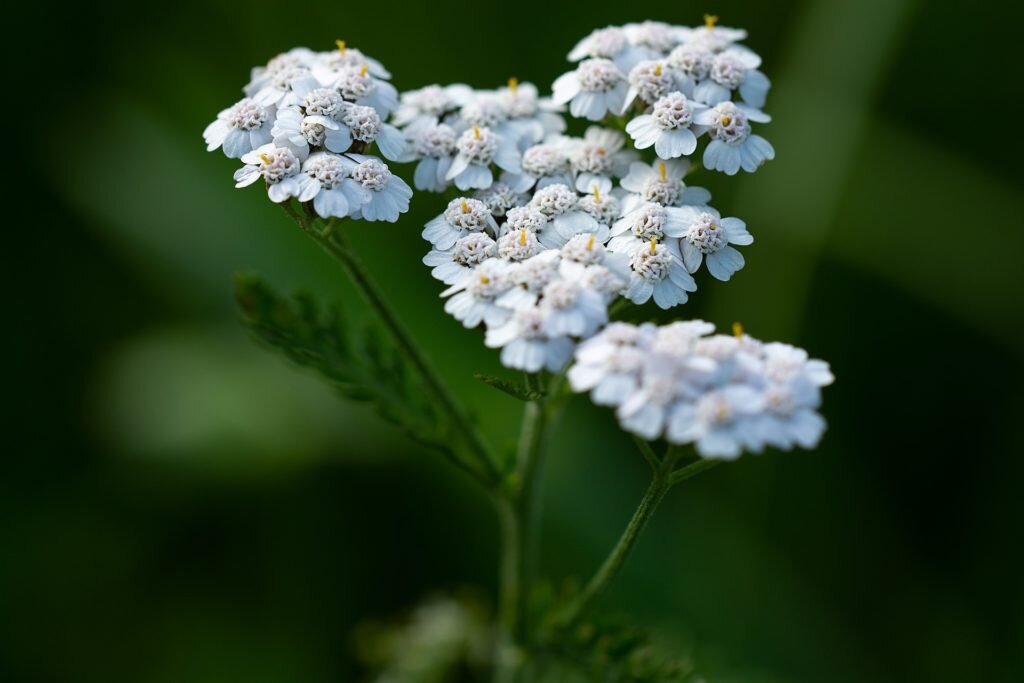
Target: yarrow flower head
{"type": "Point", "coordinates": [723, 394]}
{"type": "Point", "coordinates": [305, 127]}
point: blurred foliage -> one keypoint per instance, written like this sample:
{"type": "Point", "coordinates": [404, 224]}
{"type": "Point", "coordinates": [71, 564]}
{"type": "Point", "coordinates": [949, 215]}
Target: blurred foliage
{"type": "Point", "coordinates": [136, 544]}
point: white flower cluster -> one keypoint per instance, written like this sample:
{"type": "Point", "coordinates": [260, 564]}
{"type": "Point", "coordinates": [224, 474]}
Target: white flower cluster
{"type": "Point", "coordinates": [304, 126]}
{"type": "Point", "coordinates": [724, 394]}
{"type": "Point", "coordinates": [681, 82]}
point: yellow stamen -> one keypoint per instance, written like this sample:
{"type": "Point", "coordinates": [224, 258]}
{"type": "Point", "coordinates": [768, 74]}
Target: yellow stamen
{"type": "Point", "coordinates": [597, 193]}
{"type": "Point", "coordinates": [663, 170]}
{"type": "Point", "coordinates": [484, 279]}
{"type": "Point", "coordinates": [465, 206]}
{"type": "Point", "coordinates": [522, 237]}
{"type": "Point", "coordinates": [710, 20]}
{"type": "Point", "coordinates": [726, 120]}
{"type": "Point", "coordinates": [513, 83]}
{"type": "Point", "coordinates": [266, 159]}
{"type": "Point", "coordinates": [654, 245]}
{"type": "Point", "coordinates": [657, 70]}
{"type": "Point", "coordinates": [341, 46]}
{"type": "Point", "coordinates": [476, 132]}
{"type": "Point", "coordinates": [737, 329]}
{"type": "Point", "coordinates": [362, 72]}
{"type": "Point", "coordinates": [590, 243]}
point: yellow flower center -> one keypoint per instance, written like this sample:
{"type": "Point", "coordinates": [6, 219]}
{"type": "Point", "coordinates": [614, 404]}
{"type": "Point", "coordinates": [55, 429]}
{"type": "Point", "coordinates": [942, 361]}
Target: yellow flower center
{"type": "Point", "coordinates": [341, 46]}
{"type": "Point", "coordinates": [657, 70]}
{"type": "Point", "coordinates": [484, 279]}
{"type": "Point", "coordinates": [710, 20]}
{"type": "Point", "coordinates": [513, 83]}
{"type": "Point", "coordinates": [726, 120]}
{"type": "Point", "coordinates": [465, 206]}
{"type": "Point", "coordinates": [522, 237]}
{"type": "Point", "coordinates": [362, 72]}
{"type": "Point", "coordinates": [663, 170]}
{"type": "Point", "coordinates": [266, 159]}
{"type": "Point", "coordinates": [476, 132]}
{"type": "Point", "coordinates": [597, 193]}
{"type": "Point", "coordinates": [590, 243]}
{"type": "Point", "coordinates": [654, 245]}
{"type": "Point", "coordinates": [737, 329]}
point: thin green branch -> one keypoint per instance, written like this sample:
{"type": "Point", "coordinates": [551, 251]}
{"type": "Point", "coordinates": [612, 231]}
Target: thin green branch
{"type": "Point", "coordinates": [692, 470]}
{"type": "Point", "coordinates": [649, 455]}
{"type": "Point", "coordinates": [332, 241]}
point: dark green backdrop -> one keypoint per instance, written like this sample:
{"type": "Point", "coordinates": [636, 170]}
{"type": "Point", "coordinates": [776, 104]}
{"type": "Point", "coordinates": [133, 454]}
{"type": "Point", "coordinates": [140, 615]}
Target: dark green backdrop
{"type": "Point", "coordinates": [179, 505]}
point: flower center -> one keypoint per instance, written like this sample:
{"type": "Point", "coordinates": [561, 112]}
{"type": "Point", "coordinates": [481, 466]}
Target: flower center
{"type": "Point", "coordinates": [672, 111]}
{"type": "Point", "coordinates": [519, 245]}
{"type": "Point", "coordinates": [328, 169]}
{"type": "Point", "coordinates": [598, 75]}
{"type": "Point", "coordinates": [485, 113]}
{"type": "Point", "coordinates": [247, 115]}
{"type": "Point", "coordinates": [692, 60]}
{"type": "Point", "coordinates": [553, 200]}
{"type": "Point", "coordinates": [592, 158]}
{"type": "Point", "coordinates": [525, 218]}
{"type": "Point", "coordinates": [662, 190]}
{"type": "Point", "coordinates": [315, 133]}
{"type": "Point", "coordinates": [542, 160]}
{"type": "Point", "coordinates": [583, 248]}
{"type": "Point", "coordinates": [479, 144]}
{"type": "Point", "coordinates": [278, 164]}
{"type": "Point", "coordinates": [650, 80]}
{"type": "Point", "coordinates": [372, 174]}
{"type": "Point", "coordinates": [652, 263]}
{"type": "Point", "coordinates": [648, 222]}
{"type": "Point", "coordinates": [282, 79]}
{"type": "Point", "coordinates": [730, 124]}
{"type": "Point", "coordinates": [727, 71]}
{"type": "Point", "coordinates": [473, 249]}
{"type": "Point", "coordinates": [322, 102]}
{"type": "Point", "coordinates": [706, 234]}
{"type": "Point", "coordinates": [354, 83]}
{"type": "Point", "coordinates": [364, 122]}
{"type": "Point", "coordinates": [467, 214]}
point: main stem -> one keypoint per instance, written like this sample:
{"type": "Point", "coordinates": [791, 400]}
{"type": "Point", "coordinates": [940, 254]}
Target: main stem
{"type": "Point", "coordinates": [519, 512]}
{"type": "Point", "coordinates": [333, 242]}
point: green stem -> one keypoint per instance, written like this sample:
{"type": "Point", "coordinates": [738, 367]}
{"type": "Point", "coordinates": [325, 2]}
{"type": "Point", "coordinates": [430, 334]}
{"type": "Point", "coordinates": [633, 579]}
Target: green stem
{"type": "Point", "coordinates": [665, 476]}
{"type": "Point", "coordinates": [506, 651]}
{"type": "Point", "coordinates": [332, 241]}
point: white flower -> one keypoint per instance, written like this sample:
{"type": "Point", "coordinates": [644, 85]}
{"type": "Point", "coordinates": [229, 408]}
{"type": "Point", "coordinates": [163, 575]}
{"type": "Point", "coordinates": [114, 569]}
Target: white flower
{"type": "Point", "coordinates": [299, 132]}
{"type": "Point", "coordinates": [338, 194]}
{"type": "Point", "coordinates": [262, 76]}
{"type": "Point", "coordinates": [356, 84]}
{"type": "Point", "coordinates": [519, 245]}
{"type": "Point", "coordinates": [499, 198]}
{"type": "Point", "coordinates": [594, 89]}
{"type": "Point", "coordinates": [529, 278]}
{"type": "Point", "coordinates": [648, 221]}
{"type": "Point", "coordinates": [526, 344]}
{"type": "Point", "coordinates": [429, 104]}
{"type": "Point", "coordinates": [585, 250]}
{"type": "Point", "coordinates": [658, 271]}
{"type": "Point", "coordinates": [572, 310]}
{"type": "Point", "coordinates": [435, 145]}
{"type": "Point", "coordinates": [476, 149]}
{"type": "Point", "coordinates": [462, 216]}
{"type": "Point", "coordinates": [611, 43]}
{"type": "Point", "coordinates": [792, 395]}
{"type": "Point", "coordinates": [709, 236]}
{"type": "Point", "coordinates": [455, 265]}
{"type": "Point", "coordinates": [692, 62]}
{"type": "Point", "coordinates": [596, 157]}
{"type": "Point", "coordinates": [661, 182]}
{"type": "Point", "coordinates": [604, 207]}
{"type": "Point", "coordinates": [281, 170]}
{"type": "Point", "coordinates": [327, 66]}
{"type": "Point", "coordinates": [732, 145]}
{"type": "Point", "coordinates": [713, 37]}
{"type": "Point", "coordinates": [608, 365]}
{"type": "Point", "coordinates": [240, 128]}
{"type": "Point", "coordinates": [721, 422]}
{"type": "Point", "coordinates": [474, 297]}
{"type": "Point", "coordinates": [656, 35]}
{"type": "Point", "coordinates": [559, 205]}
{"type": "Point", "coordinates": [367, 127]}
{"type": "Point", "coordinates": [541, 164]}
{"type": "Point", "coordinates": [732, 70]}
{"type": "Point", "coordinates": [388, 194]}
{"type": "Point", "coordinates": [667, 127]}
{"type": "Point", "coordinates": [649, 81]}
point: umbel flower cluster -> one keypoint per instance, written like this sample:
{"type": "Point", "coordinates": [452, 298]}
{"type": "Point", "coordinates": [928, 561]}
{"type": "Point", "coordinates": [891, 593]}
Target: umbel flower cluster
{"type": "Point", "coordinates": [545, 232]}
{"type": "Point", "coordinates": [304, 127]}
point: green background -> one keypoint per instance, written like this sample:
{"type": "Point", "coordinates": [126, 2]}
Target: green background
{"type": "Point", "coordinates": [179, 504]}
